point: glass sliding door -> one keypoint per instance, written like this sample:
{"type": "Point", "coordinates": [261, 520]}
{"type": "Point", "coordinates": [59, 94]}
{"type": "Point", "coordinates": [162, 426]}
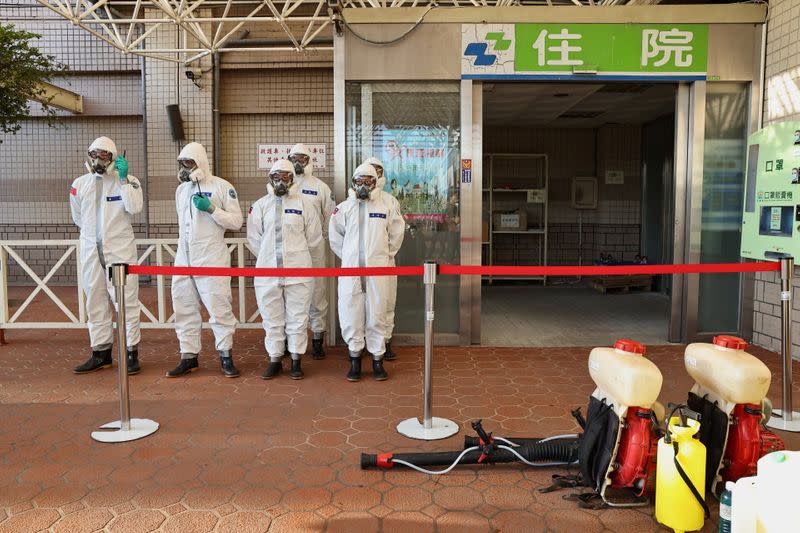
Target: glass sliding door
{"type": "Point", "coordinates": [724, 152]}
{"type": "Point", "coordinates": [414, 129]}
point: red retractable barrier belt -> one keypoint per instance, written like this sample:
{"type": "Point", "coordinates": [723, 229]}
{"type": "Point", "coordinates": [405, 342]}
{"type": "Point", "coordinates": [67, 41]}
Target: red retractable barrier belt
{"type": "Point", "coordinates": [275, 272]}
{"type": "Point", "coordinates": [458, 270]}
{"type": "Point", "coordinates": [606, 270]}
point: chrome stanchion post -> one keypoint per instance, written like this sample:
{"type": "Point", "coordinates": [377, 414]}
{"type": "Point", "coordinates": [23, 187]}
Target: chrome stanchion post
{"type": "Point", "coordinates": [431, 428]}
{"type": "Point", "coordinates": [785, 418]}
{"type": "Point", "coordinates": [119, 273]}
{"type": "Point", "coordinates": [429, 280]}
{"type": "Point", "coordinates": [125, 429]}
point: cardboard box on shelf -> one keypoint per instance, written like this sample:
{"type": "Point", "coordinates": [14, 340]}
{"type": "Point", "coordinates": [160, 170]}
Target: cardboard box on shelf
{"type": "Point", "coordinates": [485, 232]}
{"type": "Point", "coordinates": [515, 220]}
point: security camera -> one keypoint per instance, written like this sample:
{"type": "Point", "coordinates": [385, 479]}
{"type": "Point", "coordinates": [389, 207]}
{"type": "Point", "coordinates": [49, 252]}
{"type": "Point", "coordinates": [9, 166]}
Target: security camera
{"type": "Point", "coordinates": [194, 73]}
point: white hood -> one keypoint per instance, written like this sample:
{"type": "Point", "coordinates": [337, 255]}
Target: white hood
{"type": "Point", "coordinates": [374, 161]}
{"type": "Point", "coordinates": [197, 153]}
{"type": "Point", "coordinates": [300, 149]}
{"type": "Point", "coordinates": [104, 143]}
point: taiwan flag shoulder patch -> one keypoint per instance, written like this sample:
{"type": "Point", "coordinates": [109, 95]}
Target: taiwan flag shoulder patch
{"type": "Point", "coordinates": [335, 210]}
{"type": "Point", "coordinates": [249, 211]}
{"type": "Point", "coordinates": [73, 191]}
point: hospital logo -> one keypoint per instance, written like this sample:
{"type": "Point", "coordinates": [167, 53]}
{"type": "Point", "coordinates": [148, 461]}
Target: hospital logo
{"type": "Point", "coordinates": [480, 51]}
{"type": "Point", "coordinates": [487, 48]}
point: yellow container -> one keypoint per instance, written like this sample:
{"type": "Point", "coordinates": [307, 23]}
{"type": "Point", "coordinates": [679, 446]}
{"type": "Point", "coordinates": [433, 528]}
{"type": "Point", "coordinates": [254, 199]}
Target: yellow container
{"type": "Point", "coordinates": [676, 506]}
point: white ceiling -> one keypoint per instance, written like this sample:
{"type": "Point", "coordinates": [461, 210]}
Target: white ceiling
{"type": "Point", "coordinates": [582, 105]}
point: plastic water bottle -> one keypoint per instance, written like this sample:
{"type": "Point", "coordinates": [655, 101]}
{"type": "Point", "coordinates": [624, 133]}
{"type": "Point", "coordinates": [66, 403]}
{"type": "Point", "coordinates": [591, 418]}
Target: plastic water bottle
{"type": "Point", "coordinates": [725, 512]}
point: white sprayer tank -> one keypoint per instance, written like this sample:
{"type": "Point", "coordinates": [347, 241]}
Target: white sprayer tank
{"type": "Point", "coordinates": [623, 374]}
{"type": "Point", "coordinates": [776, 485]}
{"type": "Point", "coordinates": [727, 371]}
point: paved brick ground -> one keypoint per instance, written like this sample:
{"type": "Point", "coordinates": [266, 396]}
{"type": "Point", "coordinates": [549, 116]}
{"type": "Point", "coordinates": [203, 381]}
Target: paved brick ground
{"type": "Point", "coordinates": [247, 455]}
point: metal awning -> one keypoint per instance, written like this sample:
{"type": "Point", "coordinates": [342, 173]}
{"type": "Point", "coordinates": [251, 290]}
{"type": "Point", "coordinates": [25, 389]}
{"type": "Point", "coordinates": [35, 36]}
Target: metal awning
{"type": "Point", "coordinates": [211, 26]}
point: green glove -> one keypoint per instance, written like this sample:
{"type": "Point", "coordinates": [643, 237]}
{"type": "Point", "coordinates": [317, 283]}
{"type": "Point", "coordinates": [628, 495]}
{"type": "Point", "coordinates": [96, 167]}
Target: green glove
{"type": "Point", "coordinates": [202, 203]}
{"type": "Point", "coordinates": [121, 164]}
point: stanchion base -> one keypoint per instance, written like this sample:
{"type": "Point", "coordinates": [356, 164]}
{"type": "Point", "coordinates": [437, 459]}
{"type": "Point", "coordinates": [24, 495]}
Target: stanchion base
{"type": "Point", "coordinates": [140, 427]}
{"type": "Point", "coordinates": [783, 425]}
{"type": "Point", "coordinates": [441, 428]}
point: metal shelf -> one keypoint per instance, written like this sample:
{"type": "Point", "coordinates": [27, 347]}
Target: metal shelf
{"type": "Point", "coordinates": [539, 176]}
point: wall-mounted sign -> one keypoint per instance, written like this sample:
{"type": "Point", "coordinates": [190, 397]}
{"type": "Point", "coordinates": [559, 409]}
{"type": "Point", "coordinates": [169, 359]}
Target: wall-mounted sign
{"type": "Point", "coordinates": [591, 51]}
{"type": "Point", "coordinates": [771, 214]}
{"type": "Point", "coordinates": [615, 177]}
{"type": "Point", "coordinates": [269, 153]}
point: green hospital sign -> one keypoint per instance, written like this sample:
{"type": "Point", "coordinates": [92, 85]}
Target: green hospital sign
{"type": "Point", "coordinates": [498, 51]}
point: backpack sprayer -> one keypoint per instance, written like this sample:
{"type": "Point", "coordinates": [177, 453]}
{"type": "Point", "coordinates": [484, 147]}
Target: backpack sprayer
{"type": "Point", "coordinates": [617, 451]}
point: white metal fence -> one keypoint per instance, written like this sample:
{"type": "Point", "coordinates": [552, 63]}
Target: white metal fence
{"type": "Point", "coordinates": [153, 254]}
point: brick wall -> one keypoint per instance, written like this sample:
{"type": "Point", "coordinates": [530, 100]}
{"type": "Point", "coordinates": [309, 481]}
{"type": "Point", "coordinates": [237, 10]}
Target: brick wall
{"type": "Point", "coordinates": [39, 163]}
{"type": "Point", "coordinates": [262, 100]}
{"type": "Point", "coordinates": [782, 78]}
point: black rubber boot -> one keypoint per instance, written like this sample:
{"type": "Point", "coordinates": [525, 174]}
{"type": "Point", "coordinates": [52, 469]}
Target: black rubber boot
{"type": "Point", "coordinates": [100, 359]}
{"type": "Point", "coordinates": [273, 369]}
{"type": "Point", "coordinates": [226, 364]}
{"type": "Point", "coordinates": [389, 355]}
{"type": "Point", "coordinates": [185, 366]}
{"type": "Point", "coordinates": [133, 362]}
{"type": "Point", "coordinates": [355, 367]}
{"type": "Point", "coordinates": [318, 348]}
{"type": "Point", "coordinates": [378, 371]}
{"type": "Point", "coordinates": [296, 372]}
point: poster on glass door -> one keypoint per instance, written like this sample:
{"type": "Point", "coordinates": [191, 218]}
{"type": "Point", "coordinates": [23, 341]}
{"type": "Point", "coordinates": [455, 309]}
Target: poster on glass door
{"type": "Point", "coordinates": [416, 166]}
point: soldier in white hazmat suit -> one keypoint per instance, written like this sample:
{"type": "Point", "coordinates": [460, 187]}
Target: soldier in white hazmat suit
{"type": "Point", "coordinates": [366, 230]}
{"type": "Point", "coordinates": [321, 198]}
{"type": "Point", "coordinates": [207, 206]}
{"type": "Point", "coordinates": [389, 354]}
{"type": "Point", "coordinates": [282, 229]}
{"type": "Point", "coordinates": [103, 203]}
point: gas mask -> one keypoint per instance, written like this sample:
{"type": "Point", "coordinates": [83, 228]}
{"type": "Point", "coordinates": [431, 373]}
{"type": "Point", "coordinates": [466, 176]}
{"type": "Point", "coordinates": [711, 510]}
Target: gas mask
{"type": "Point", "coordinates": [188, 173]}
{"type": "Point", "coordinates": [281, 183]}
{"type": "Point", "coordinates": [97, 164]}
{"type": "Point", "coordinates": [301, 163]}
{"type": "Point", "coordinates": [363, 186]}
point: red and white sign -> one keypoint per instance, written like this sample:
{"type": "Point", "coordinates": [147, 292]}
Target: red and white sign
{"type": "Point", "coordinates": [269, 153]}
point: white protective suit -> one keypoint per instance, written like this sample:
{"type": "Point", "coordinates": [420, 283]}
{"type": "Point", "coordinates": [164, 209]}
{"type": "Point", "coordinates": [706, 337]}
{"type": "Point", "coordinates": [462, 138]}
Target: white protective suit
{"type": "Point", "coordinates": [322, 201]}
{"type": "Point", "coordinates": [365, 233]}
{"type": "Point", "coordinates": [201, 244]}
{"type": "Point", "coordinates": [392, 280]}
{"type": "Point", "coordinates": [103, 208]}
{"type": "Point", "coordinates": [283, 231]}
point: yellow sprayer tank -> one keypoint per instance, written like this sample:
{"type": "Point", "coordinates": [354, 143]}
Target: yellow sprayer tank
{"type": "Point", "coordinates": [625, 375]}
{"type": "Point", "coordinates": [726, 370]}
{"type": "Point", "coordinates": [676, 506]}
